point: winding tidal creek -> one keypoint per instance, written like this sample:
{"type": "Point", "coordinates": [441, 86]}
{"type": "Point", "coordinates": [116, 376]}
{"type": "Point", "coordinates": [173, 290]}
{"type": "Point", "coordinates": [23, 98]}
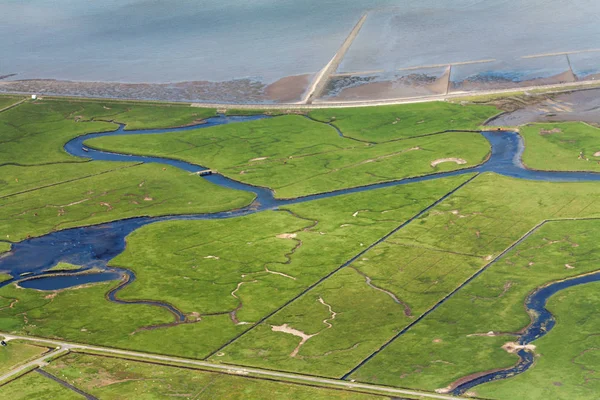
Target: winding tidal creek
{"type": "Point", "coordinates": [92, 247]}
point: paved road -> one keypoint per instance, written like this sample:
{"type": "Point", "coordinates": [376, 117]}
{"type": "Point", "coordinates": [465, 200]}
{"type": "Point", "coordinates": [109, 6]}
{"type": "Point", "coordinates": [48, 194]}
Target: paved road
{"type": "Point", "coordinates": [232, 369]}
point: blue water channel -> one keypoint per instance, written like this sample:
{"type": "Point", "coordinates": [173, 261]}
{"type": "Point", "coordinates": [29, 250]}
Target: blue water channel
{"type": "Point", "coordinates": [94, 246]}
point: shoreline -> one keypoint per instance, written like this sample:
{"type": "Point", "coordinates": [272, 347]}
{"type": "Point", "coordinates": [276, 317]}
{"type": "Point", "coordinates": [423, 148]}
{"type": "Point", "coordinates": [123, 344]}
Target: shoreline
{"type": "Point", "coordinates": [318, 104]}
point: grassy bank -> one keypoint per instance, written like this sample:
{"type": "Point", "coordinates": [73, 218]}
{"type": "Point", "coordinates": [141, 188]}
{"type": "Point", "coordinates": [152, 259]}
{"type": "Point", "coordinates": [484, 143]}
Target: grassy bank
{"type": "Point", "coordinates": [380, 124]}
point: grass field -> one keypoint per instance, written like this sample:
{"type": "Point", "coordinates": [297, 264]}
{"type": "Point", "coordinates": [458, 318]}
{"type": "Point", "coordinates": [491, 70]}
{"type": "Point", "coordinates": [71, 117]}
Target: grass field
{"type": "Point", "coordinates": [438, 351]}
{"type": "Point", "coordinates": [567, 146]}
{"type": "Point", "coordinates": [15, 354]}
{"type": "Point", "coordinates": [85, 316]}
{"type": "Point", "coordinates": [199, 267]}
{"type": "Point", "coordinates": [568, 356]}
{"type": "Point", "coordinates": [283, 265]}
{"type": "Point", "coordinates": [7, 101]}
{"type": "Point", "coordinates": [34, 133]}
{"type": "Point", "coordinates": [417, 266]}
{"type": "Point", "coordinates": [147, 189]}
{"type": "Point", "coordinates": [36, 386]}
{"type": "Point", "coordinates": [18, 179]}
{"type": "Point", "coordinates": [114, 379]}
{"type": "Point", "coordinates": [381, 124]}
{"type": "Point", "coordinates": [296, 156]}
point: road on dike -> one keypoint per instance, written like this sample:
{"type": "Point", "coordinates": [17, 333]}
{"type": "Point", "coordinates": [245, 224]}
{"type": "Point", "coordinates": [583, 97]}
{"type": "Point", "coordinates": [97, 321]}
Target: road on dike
{"type": "Point", "coordinates": [62, 348]}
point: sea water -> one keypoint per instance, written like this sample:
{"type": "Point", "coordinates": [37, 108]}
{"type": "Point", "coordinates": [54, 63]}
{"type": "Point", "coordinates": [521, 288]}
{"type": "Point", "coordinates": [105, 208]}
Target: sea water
{"type": "Point", "coordinates": [160, 41]}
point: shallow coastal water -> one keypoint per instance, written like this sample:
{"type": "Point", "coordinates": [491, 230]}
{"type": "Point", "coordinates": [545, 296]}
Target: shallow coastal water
{"type": "Point", "coordinates": [265, 40]}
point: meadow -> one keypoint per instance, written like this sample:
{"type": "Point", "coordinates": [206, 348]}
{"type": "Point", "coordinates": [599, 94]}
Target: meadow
{"type": "Point", "coordinates": [296, 156]}
{"type": "Point", "coordinates": [224, 275]}
{"type": "Point", "coordinates": [139, 190]}
{"type": "Point", "coordinates": [324, 287]}
{"type": "Point", "coordinates": [115, 379]}
{"type": "Point", "coordinates": [565, 146]}
{"type": "Point", "coordinates": [385, 123]}
{"type": "Point", "coordinates": [35, 386]}
{"type": "Point", "coordinates": [564, 368]}
{"type": "Point", "coordinates": [17, 353]}
{"type": "Point", "coordinates": [431, 355]}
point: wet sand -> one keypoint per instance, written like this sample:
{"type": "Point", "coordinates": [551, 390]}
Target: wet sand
{"type": "Point", "coordinates": [287, 89]}
{"type": "Point", "coordinates": [583, 105]}
{"type": "Point", "coordinates": [370, 88]}
{"type": "Point", "coordinates": [485, 83]}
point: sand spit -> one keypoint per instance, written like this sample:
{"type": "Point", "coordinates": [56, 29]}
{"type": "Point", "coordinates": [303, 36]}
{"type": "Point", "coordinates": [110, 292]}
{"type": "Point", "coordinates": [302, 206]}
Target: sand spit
{"type": "Point", "coordinates": [513, 347]}
{"type": "Point", "coordinates": [460, 161]}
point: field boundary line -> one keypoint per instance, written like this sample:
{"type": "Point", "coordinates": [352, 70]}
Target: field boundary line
{"type": "Point", "coordinates": [350, 261]}
{"type": "Point", "coordinates": [462, 285]}
{"type": "Point", "coordinates": [65, 384]}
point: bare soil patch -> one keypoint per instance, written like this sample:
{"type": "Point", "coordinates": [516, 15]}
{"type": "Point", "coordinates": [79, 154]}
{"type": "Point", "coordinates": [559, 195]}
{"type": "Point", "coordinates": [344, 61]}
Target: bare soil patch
{"type": "Point", "coordinates": [435, 163]}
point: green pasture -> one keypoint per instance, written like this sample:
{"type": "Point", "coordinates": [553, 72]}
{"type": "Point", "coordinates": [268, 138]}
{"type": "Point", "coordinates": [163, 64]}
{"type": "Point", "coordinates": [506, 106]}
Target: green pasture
{"type": "Point", "coordinates": [296, 156]}
{"type": "Point", "coordinates": [417, 266]}
{"type": "Point", "coordinates": [7, 101]}
{"type": "Point", "coordinates": [385, 123]}
{"type": "Point", "coordinates": [115, 379]}
{"type": "Point", "coordinates": [15, 179]}
{"type": "Point", "coordinates": [15, 354]}
{"type": "Point", "coordinates": [34, 132]}
{"type": "Point", "coordinates": [567, 357]}
{"type": "Point", "coordinates": [199, 267]}
{"type": "Point", "coordinates": [147, 189]}
{"type": "Point", "coordinates": [35, 386]}
{"type": "Point", "coordinates": [566, 146]}
{"type": "Point", "coordinates": [438, 350]}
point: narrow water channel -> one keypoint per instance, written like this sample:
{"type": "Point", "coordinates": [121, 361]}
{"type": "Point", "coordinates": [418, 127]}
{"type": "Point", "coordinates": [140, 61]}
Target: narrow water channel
{"type": "Point", "coordinates": [94, 246]}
